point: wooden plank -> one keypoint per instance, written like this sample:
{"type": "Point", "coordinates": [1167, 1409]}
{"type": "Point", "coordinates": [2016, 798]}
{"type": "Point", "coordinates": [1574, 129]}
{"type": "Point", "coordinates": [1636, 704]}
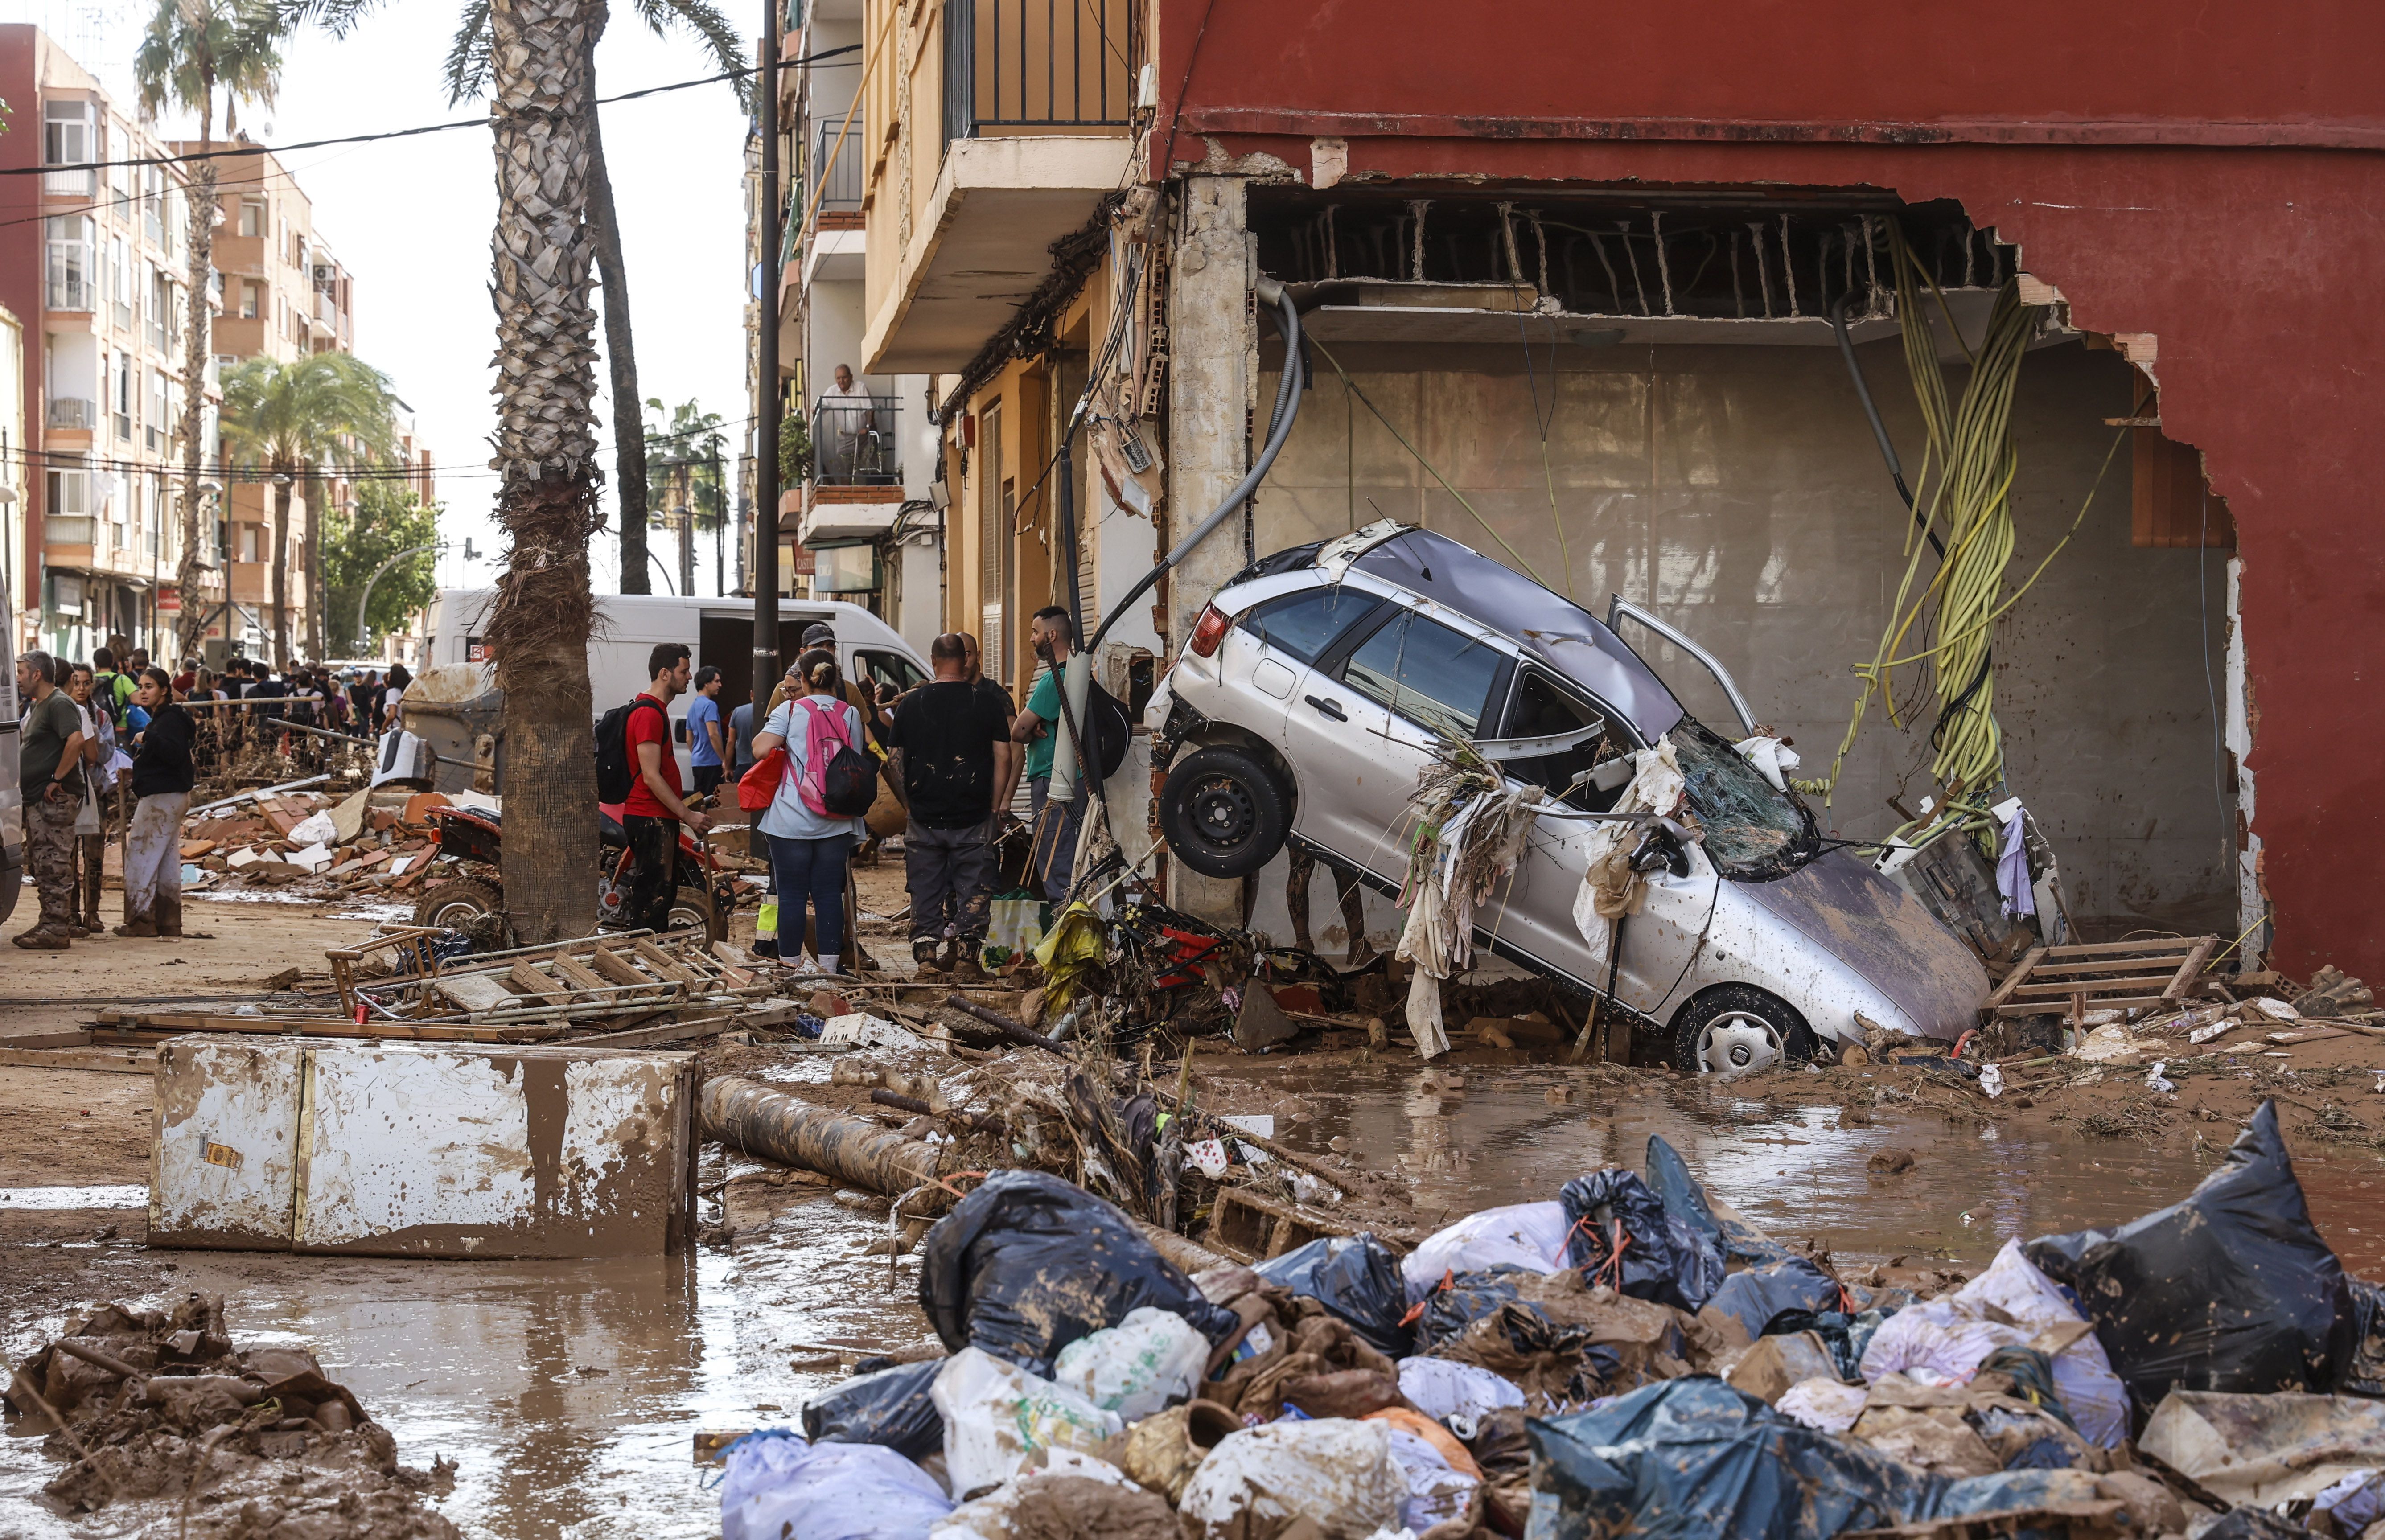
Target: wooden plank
{"type": "Point", "coordinates": [2191, 968]}
{"type": "Point", "coordinates": [2019, 975]}
{"type": "Point", "coordinates": [2039, 1007]}
{"type": "Point", "coordinates": [476, 992]}
{"type": "Point", "coordinates": [524, 976]}
{"type": "Point", "coordinates": [581, 978]}
{"type": "Point", "coordinates": [664, 966]}
{"type": "Point", "coordinates": [152, 1028]}
{"type": "Point", "coordinates": [648, 1036]}
{"type": "Point", "coordinates": [2113, 949]}
{"type": "Point", "coordinates": [2138, 984]}
{"type": "Point", "coordinates": [109, 1061]}
{"type": "Point", "coordinates": [2150, 967]}
{"type": "Point", "coordinates": [737, 969]}
{"type": "Point", "coordinates": [612, 965]}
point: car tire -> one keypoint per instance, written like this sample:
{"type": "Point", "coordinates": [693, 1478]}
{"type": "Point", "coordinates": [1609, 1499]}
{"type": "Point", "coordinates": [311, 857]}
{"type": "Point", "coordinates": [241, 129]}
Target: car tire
{"type": "Point", "coordinates": [1734, 1028]}
{"type": "Point", "coordinates": [448, 904]}
{"type": "Point", "coordinates": [692, 909]}
{"type": "Point", "coordinates": [1225, 812]}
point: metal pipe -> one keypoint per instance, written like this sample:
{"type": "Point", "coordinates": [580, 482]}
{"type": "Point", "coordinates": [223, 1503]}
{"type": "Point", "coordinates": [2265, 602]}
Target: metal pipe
{"type": "Point", "coordinates": [1879, 429]}
{"type": "Point", "coordinates": [767, 1122]}
{"type": "Point", "coordinates": [766, 378]}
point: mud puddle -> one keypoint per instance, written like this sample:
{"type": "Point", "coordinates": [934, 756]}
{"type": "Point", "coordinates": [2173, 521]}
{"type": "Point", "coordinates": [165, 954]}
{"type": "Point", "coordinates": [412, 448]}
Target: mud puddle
{"type": "Point", "coordinates": [1795, 1171]}
{"type": "Point", "coordinates": [568, 1394]}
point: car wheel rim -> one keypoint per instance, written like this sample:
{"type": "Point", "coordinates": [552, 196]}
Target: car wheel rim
{"type": "Point", "coordinates": [1223, 812]}
{"type": "Point", "coordinates": [1738, 1043]}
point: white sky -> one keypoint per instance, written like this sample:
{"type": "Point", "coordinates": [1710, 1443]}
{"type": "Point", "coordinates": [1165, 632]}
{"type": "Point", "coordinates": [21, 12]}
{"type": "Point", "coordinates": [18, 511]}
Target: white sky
{"type": "Point", "coordinates": [411, 219]}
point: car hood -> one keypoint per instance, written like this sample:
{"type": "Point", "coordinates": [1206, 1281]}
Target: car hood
{"type": "Point", "coordinates": [1883, 934]}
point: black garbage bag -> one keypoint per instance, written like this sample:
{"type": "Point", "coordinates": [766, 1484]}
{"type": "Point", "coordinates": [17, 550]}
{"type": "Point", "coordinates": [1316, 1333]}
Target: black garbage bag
{"type": "Point", "coordinates": [1461, 1300]}
{"type": "Point", "coordinates": [1693, 1459]}
{"type": "Point", "coordinates": [1029, 1263]}
{"type": "Point", "coordinates": [1761, 1296]}
{"type": "Point", "coordinates": [2230, 1290]}
{"type": "Point", "coordinates": [1685, 1200]}
{"type": "Point", "coordinates": [1623, 1238]}
{"type": "Point", "coordinates": [1358, 1278]}
{"type": "Point", "coordinates": [2364, 1373]}
{"type": "Point", "coordinates": [890, 1408]}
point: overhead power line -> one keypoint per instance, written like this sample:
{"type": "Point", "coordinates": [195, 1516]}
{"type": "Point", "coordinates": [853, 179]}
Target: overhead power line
{"type": "Point", "coordinates": [239, 150]}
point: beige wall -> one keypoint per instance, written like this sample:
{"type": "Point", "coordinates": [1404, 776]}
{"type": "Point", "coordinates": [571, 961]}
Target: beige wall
{"type": "Point", "coordinates": [1738, 491]}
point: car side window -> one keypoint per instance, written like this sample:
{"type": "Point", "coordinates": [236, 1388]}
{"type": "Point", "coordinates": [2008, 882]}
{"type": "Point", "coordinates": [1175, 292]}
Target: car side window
{"type": "Point", "coordinates": [890, 668]}
{"type": "Point", "coordinates": [1427, 671]}
{"type": "Point", "coordinates": [1306, 624]}
{"type": "Point", "coordinates": [1542, 708]}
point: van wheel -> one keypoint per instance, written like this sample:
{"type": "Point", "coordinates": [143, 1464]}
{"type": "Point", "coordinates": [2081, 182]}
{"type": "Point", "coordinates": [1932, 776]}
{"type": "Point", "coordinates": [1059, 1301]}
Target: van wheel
{"type": "Point", "coordinates": [1225, 812]}
{"type": "Point", "coordinates": [692, 909]}
{"type": "Point", "coordinates": [453, 904]}
{"type": "Point", "coordinates": [1736, 1029]}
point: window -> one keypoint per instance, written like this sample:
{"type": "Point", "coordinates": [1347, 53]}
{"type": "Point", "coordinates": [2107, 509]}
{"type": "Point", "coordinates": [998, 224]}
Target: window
{"type": "Point", "coordinates": [69, 494]}
{"type": "Point", "coordinates": [1305, 624]}
{"type": "Point", "coordinates": [70, 265]}
{"type": "Point", "coordinates": [250, 542]}
{"type": "Point", "coordinates": [119, 282]}
{"type": "Point", "coordinates": [161, 307]}
{"type": "Point", "coordinates": [1543, 708]}
{"type": "Point", "coordinates": [123, 401]}
{"type": "Point", "coordinates": [67, 141]}
{"type": "Point", "coordinates": [890, 669]}
{"type": "Point", "coordinates": [152, 204]}
{"type": "Point", "coordinates": [1428, 673]}
{"type": "Point", "coordinates": [161, 413]}
{"type": "Point", "coordinates": [252, 298]}
{"type": "Point", "coordinates": [253, 217]}
{"type": "Point", "coordinates": [1752, 828]}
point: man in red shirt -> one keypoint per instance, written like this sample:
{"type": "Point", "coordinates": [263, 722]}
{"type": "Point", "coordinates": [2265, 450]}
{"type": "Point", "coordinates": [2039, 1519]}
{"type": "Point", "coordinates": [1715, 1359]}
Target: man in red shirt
{"type": "Point", "coordinates": [652, 813]}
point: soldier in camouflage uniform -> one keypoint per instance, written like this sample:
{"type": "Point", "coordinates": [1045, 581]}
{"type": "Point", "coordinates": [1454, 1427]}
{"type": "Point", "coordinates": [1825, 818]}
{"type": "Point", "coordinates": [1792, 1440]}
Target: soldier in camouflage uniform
{"type": "Point", "coordinates": [50, 775]}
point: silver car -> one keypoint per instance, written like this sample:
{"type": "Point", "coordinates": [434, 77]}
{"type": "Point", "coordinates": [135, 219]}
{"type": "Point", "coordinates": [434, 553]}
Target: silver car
{"type": "Point", "coordinates": [1311, 696]}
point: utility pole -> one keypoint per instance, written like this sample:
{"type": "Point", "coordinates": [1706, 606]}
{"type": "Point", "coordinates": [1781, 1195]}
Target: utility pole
{"type": "Point", "coordinates": [765, 369]}
{"type": "Point", "coordinates": [719, 517]}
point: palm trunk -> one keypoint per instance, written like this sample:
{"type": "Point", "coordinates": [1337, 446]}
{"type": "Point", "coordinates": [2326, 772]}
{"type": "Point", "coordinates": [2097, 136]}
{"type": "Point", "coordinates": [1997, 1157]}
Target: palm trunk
{"type": "Point", "coordinates": [621, 360]}
{"type": "Point", "coordinates": [193, 616]}
{"type": "Point", "coordinates": [283, 477]}
{"type": "Point", "coordinates": [546, 450]}
{"type": "Point", "coordinates": [314, 566]}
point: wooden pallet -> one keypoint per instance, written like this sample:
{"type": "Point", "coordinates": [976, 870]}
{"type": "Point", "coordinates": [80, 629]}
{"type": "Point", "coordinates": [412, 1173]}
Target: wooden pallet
{"type": "Point", "coordinates": [607, 976]}
{"type": "Point", "coordinates": [2103, 975]}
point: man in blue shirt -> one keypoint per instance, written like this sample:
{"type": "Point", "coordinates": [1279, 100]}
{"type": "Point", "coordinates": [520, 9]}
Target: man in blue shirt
{"type": "Point", "coordinates": [707, 749]}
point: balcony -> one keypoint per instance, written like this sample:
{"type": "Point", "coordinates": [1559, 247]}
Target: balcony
{"type": "Point", "coordinates": [73, 412]}
{"type": "Point", "coordinates": [836, 171]}
{"type": "Point", "coordinates": [854, 442]}
{"type": "Point", "coordinates": [69, 287]}
{"type": "Point", "coordinates": [1029, 66]}
{"type": "Point", "coordinates": [72, 184]}
{"type": "Point", "coordinates": [69, 532]}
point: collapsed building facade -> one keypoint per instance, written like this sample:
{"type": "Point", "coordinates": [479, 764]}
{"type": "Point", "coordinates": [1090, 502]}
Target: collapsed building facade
{"type": "Point", "coordinates": [1586, 320]}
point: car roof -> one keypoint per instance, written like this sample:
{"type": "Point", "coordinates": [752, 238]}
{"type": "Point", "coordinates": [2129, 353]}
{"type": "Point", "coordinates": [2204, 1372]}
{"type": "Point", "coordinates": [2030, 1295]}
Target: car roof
{"type": "Point", "coordinates": [1544, 626]}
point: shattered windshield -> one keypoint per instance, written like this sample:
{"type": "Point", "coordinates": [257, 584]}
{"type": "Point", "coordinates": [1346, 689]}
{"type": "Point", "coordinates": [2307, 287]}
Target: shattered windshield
{"type": "Point", "coordinates": [1753, 830]}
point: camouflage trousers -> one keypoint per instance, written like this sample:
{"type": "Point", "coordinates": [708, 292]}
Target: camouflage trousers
{"type": "Point", "coordinates": [50, 855]}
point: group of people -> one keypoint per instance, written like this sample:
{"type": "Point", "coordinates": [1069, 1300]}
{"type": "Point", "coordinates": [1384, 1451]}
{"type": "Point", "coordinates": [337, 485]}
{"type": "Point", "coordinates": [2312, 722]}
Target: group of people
{"type": "Point", "coordinates": [110, 750]}
{"type": "Point", "coordinates": [951, 750]}
{"type": "Point", "coordinates": [89, 731]}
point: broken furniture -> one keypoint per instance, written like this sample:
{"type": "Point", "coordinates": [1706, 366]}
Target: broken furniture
{"type": "Point", "coordinates": [2102, 975]}
{"type": "Point", "coordinates": [418, 1149]}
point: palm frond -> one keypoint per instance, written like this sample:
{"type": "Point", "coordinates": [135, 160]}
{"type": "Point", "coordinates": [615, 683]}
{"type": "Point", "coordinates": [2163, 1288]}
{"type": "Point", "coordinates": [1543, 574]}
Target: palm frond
{"type": "Point", "coordinates": [338, 17]}
{"type": "Point", "coordinates": [711, 26]}
{"type": "Point", "coordinates": [466, 72]}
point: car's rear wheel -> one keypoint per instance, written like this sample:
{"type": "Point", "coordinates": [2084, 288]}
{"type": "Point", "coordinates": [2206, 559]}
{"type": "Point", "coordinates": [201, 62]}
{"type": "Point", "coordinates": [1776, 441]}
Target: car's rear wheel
{"type": "Point", "coordinates": [1736, 1029]}
{"type": "Point", "coordinates": [453, 904]}
{"type": "Point", "coordinates": [1225, 812]}
{"type": "Point", "coordinates": [691, 908]}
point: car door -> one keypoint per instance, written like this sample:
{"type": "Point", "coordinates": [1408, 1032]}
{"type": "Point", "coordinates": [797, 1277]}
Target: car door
{"type": "Point", "coordinates": [1361, 728]}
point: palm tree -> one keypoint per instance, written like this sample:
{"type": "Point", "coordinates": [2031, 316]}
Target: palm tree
{"type": "Point", "coordinates": [291, 419]}
{"type": "Point", "coordinates": [194, 50]}
{"type": "Point", "coordinates": [470, 65]}
{"type": "Point", "coordinates": [690, 452]}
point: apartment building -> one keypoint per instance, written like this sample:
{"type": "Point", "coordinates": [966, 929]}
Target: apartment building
{"type": "Point", "coordinates": [284, 294]}
{"type": "Point", "coordinates": [13, 570]}
{"type": "Point", "coordinates": [93, 261]}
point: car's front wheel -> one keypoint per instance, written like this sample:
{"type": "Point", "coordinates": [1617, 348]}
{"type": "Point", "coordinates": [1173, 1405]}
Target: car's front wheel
{"type": "Point", "coordinates": [1225, 812]}
{"type": "Point", "coordinates": [1737, 1028]}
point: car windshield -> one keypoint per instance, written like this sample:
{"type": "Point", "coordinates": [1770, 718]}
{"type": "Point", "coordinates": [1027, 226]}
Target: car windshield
{"type": "Point", "coordinates": [1753, 830]}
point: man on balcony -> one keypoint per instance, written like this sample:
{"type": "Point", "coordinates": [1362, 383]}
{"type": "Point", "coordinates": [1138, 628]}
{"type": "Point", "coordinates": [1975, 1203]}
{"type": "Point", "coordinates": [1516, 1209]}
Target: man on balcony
{"type": "Point", "coordinates": [846, 436]}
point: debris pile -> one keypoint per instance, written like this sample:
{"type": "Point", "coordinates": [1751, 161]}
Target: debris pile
{"type": "Point", "coordinates": [162, 1415]}
{"type": "Point", "coordinates": [312, 843]}
{"type": "Point", "coordinates": [1629, 1356]}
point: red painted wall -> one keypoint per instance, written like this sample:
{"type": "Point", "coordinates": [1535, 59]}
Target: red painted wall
{"type": "Point", "coordinates": [2213, 176]}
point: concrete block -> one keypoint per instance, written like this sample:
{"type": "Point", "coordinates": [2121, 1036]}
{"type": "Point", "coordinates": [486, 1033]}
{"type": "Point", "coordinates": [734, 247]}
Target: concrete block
{"type": "Point", "coordinates": [421, 1149]}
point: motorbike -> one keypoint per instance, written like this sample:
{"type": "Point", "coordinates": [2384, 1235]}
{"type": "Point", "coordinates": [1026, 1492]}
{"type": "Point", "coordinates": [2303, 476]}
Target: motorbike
{"type": "Point", "coordinates": [474, 839]}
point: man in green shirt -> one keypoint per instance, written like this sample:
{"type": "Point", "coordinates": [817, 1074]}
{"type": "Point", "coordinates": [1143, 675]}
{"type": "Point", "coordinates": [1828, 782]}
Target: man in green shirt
{"type": "Point", "coordinates": [49, 773]}
{"type": "Point", "coordinates": [1055, 857]}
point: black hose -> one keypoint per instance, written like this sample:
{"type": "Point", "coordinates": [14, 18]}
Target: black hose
{"type": "Point", "coordinates": [1878, 428]}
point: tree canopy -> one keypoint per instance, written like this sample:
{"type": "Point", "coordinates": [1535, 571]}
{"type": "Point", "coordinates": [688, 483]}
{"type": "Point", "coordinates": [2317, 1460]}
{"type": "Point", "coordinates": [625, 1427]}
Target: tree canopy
{"type": "Point", "coordinates": [386, 519]}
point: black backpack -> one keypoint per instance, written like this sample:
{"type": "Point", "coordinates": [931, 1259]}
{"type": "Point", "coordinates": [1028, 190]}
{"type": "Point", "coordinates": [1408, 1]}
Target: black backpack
{"type": "Point", "coordinates": [616, 775]}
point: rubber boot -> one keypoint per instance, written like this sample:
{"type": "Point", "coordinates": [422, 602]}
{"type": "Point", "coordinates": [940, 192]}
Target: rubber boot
{"type": "Point", "coordinates": [137, 924]}
{"type": "Point", "coordinates": [966, 965]}
{"type": "Point", "coordinates": [923, 956]}
{"type": "Point", "coordinates": [168, 916]}
{"type": "Point", "coordinates": [45, 939]}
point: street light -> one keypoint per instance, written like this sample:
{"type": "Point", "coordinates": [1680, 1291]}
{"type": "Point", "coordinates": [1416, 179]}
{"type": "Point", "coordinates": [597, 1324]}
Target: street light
{"type": "Point", "coordinates": [366, 603]}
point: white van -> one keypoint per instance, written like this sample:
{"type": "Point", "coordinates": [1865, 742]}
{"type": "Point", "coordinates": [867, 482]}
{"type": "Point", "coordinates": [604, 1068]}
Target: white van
{"type": "Point", "coordinates": [720, 631]}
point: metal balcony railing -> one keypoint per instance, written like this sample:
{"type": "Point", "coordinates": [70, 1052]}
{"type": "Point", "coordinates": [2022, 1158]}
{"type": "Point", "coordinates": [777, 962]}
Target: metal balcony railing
{"type": "Point", "coordinates": [82, 184]}
{"type": "Point", "coordinates": [853, 442]}
{"type": "Point", "coordinates": [1028, 64]}
{"type": "Point", "coordinates": [837, 175]}
{"type": "Point", "coordinates": [72, 412]}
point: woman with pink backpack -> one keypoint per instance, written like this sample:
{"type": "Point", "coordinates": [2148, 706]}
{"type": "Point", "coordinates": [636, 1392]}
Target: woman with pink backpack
{"type": "Point", "coordinates": [811, 748]}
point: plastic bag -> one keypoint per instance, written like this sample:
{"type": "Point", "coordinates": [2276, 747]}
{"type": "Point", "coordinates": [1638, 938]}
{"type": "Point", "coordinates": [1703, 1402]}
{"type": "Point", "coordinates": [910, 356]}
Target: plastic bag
{"type": "Point", "coordinates": [1686, 1201]}
{"type": "Point", "coordinates": [1142, 1364]}
{"type": "Point", "coordinates": [1356, 1279]}
{"type": "Point", "coordinates": [1458, 1394]}
{"type": "Point", "coordinates": [1693, 1459]}
{"type": "Point", "coordinates": [1623, 1238]}
{"type": "Point", "coordinates": [996, 1414]}
{"type": "Point", "coordinates": [2363, 1373]}
{"type": "Point", "coordinates": [1760, 1296]}
{"type": "Point", "coordinates": [891, 1408]}
{"type": "Point", "coordinates": [2230, 1290]}
{"type": "Point", "coordinates": [777, 1484]}
{"type": "Point", "coordinates": [1335, 1472]}
{"type": "Point", "coordinates": [1077, 1496]}
{"type": "Point", "coordinates": [1458, 1302]}
{"type": "Point", "coordinates": [1028, 1263]}
{"type": "Point", "coordinates": [1531, 1235]}
{"type": "Point", "coordinates": [1437, 1491]}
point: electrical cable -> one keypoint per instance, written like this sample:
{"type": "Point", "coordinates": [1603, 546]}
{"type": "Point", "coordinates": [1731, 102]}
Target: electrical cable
{"type": "Point", "coordinates": [413, 133]}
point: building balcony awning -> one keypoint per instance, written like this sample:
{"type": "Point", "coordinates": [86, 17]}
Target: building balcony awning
{"type": "Point", "coordinates": [999, 204]}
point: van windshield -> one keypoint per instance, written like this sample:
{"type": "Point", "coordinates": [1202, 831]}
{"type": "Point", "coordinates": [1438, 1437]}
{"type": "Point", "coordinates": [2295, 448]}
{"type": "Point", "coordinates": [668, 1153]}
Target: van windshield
{"type": "Point", "coordinates": [1754, 831]}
